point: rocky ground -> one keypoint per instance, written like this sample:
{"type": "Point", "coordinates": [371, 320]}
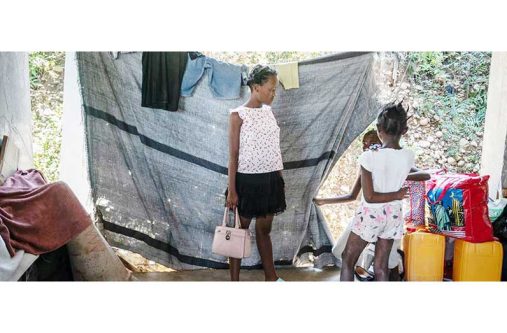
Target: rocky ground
{"type": "Point", "coordinates": [137, 263]}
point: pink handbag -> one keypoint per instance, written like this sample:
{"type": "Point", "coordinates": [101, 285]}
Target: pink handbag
{"type": "Point", "coordinates": [232, 242]}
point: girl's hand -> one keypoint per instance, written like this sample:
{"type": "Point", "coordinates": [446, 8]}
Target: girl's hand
{"type": "Point", "coordinates": [402, 193]}
{"type": "Point", "coordinates": [232, 199]}
{"type": "Point", "coordinates": [319, 201]}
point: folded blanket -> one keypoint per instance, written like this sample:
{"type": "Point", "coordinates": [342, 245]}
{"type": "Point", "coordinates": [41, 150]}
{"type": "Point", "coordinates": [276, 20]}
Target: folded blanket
{"type": "Point", "coordinates": [38, 217]}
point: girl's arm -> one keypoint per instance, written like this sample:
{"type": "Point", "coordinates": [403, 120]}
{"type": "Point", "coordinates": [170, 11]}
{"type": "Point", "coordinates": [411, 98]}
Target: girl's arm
{"type": "Point", "coordinates": [371, 196]}
{"type": "Point", "coordinates": [234, 130]}
{"type": "Point", "coordinates": [418, 175]}
{"type": "Point", "coordinates": [342, 198]}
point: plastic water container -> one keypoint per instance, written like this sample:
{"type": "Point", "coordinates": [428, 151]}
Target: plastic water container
{"type": "Point", "coordinates": [477, 261]}
{"type": "Point", "coordinates": [424, 256]}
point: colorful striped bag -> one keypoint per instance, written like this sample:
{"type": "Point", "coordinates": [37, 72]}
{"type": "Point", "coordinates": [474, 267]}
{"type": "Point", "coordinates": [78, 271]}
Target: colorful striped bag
{"type": "Point", "coordinates": [459, 206]}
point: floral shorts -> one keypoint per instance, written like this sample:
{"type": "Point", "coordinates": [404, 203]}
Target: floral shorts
{"type": "Point", "coordinates": [384, 222]}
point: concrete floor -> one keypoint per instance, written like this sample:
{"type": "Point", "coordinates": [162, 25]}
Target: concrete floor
{"type": "Point", "coordinates": [288, 274]}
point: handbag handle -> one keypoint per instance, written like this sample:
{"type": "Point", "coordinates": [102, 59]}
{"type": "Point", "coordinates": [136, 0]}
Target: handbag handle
{"type": "Point", "coordinates": [236, 218]}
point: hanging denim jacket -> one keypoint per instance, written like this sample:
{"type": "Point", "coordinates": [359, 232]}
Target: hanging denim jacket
{"type": "Point", "coordinates": [225, 80]}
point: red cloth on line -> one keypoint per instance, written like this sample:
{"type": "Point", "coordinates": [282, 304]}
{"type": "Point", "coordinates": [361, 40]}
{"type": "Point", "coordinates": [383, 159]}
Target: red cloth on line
{"type": "Point", "coordinates": [36, 216]}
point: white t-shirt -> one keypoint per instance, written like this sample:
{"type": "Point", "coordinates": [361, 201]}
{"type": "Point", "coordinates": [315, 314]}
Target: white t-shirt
{"type": "Point", "coordinates": [259, 140]}
{"type": "Point", "coordinates": [389, 169]}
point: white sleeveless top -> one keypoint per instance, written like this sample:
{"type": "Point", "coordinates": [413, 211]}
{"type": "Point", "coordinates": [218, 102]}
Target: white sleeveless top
{"type": "Point", "coordinates": [389, 168]}
{"type": "Point", "coordinates": [259, 140]}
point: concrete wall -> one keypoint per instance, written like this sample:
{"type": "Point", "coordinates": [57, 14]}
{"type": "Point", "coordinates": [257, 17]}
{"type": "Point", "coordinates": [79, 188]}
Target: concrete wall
{"type": "Point", "coordinates": [15, 110]}
{"type": "Point", "coordinates": [73, 156]}
{"type": "Point", "coordinates": [504, 169]}
{"type": "Point", "coordinates": [495, 129]}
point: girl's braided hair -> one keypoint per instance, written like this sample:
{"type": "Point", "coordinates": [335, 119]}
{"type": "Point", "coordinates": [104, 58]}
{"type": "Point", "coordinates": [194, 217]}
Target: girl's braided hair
{"type": "Point", "coordinates": [260, 74]}
{"type": "Point", "coordinates": [393, 119]}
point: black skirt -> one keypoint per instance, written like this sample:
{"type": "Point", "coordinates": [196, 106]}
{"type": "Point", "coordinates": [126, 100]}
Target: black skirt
{"type": "Point", "coordinates": [260, 194]}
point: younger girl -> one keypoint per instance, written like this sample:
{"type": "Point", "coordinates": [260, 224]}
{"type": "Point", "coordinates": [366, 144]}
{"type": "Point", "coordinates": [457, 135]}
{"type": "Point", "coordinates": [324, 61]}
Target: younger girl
{"type": "Point", "coordinates": [379, 217]}
{"type": "Point", "coordinates": [371, 141]}
{"type": "Point", "coordinates": [256, 186]}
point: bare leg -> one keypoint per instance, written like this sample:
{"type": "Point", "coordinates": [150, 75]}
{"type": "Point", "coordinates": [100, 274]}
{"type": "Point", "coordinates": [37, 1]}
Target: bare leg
{"type": "Point", "coordinates": [262, 231]}
{"type": "Point", "coordinates": [380, 263]}
{"type": "Point", "coordinates": [92, 259]}
{"type": "Point", "coordinates": [353, 249]}
{"type": "Point", "coordinates": [394, 274]}
{"type": "Point", "coordinates": [234, 263]}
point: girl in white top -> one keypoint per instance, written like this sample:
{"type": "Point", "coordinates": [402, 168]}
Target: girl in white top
{"type": "Point", "coordinates": [256, 186]}
{"type": "Point", "coordinates": [379, 217]}
{"type": "Point", "coordinates": [371, 141]}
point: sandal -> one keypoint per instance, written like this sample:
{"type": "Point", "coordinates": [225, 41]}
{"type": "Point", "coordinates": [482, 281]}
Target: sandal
{"type": "Point", "coordinates": [362, 274]}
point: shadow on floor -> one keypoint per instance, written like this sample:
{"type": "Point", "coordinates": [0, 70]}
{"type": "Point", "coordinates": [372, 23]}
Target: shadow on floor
{"type": "Point", "coordinates": [288, 274]}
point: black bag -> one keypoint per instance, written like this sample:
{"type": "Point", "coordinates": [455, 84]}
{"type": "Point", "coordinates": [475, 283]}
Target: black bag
{"type": "Point", "coordinates": [500, 226]}
{"type": "Point", "coordinates": [51, 266]}
{"type": "Point", "coordinates": [500, 231]}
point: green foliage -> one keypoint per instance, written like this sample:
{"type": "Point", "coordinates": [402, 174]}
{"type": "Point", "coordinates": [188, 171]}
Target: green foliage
{"type": "Point", "coordinates": [46, 83]}
{"type": "Point", "coordinates": [424, 65]}
{"type": "Point", "coordinates": [252, 58]}
{"type": "Point", "coordinates": [42, 63]}
{"type": "Point", "coordinates": [452, 85]}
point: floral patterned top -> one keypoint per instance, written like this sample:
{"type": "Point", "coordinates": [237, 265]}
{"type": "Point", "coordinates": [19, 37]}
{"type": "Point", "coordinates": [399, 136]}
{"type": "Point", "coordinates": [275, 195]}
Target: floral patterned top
{"type": "Point", "coordinates": [259, 140]}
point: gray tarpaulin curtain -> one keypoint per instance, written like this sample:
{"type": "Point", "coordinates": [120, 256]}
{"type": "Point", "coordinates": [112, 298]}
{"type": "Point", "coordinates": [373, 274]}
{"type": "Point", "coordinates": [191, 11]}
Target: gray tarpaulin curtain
{"type": "Point", "coordinates": [158, 178]}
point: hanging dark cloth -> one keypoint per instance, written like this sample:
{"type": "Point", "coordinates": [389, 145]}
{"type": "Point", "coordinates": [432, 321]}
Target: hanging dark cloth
{"type": "Point", "coordinates": [162, 75]}
{"type": "Point", "coordinates": [195, 55]}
